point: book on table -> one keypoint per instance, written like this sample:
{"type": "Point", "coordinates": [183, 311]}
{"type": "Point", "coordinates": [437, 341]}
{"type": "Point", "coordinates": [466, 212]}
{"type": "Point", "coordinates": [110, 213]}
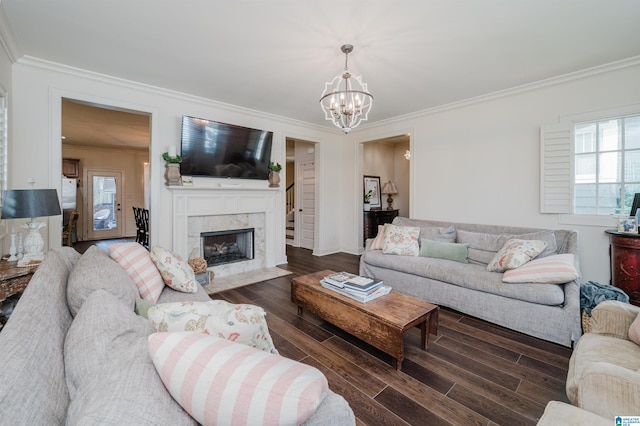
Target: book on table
{"type": "Point", "coordinates": [353, 282]}
{"type": "Point", "coordinates": [356, 295]}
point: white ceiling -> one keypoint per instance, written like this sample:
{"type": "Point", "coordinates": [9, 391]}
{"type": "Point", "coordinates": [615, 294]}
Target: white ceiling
{"type": "Point", "coordinates": [275, 56]}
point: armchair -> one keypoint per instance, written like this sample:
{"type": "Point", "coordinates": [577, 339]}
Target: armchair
{"type": "Point", "coordinates": [604, 376]}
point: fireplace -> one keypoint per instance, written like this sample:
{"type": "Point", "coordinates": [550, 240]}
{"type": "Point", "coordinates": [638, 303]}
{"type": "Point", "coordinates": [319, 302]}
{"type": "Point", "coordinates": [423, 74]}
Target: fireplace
{"type": "Point", "coordinates": [229, 246]}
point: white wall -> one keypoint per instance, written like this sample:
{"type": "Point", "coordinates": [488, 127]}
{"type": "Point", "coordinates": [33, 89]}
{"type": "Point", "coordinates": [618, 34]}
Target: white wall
{"type": "Point", "coordinates": [478, 162]}
{"type": "Point", "coordinates": [38, 87]}
{"type": "Point", "coordinates": [474, 162]}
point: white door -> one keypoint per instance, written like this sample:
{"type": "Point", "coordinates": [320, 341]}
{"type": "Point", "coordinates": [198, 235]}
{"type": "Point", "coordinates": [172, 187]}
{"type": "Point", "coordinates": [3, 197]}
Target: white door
{"type": "Point", "coordinates": [104, 205]}
{"type": "Point", "coordinates": [307, 208]}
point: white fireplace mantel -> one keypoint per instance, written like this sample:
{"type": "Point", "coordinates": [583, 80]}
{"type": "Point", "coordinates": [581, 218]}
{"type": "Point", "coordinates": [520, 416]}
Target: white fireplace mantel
{"type": "Point", "coordinates": [218, 201]}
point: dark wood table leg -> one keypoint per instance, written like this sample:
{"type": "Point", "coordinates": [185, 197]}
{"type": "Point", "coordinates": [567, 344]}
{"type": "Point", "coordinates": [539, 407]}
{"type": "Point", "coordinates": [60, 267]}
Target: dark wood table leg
{"type": "Point", "coordinates": [424, 335]}
{"type": "Point", "coordinates": [300, 310]}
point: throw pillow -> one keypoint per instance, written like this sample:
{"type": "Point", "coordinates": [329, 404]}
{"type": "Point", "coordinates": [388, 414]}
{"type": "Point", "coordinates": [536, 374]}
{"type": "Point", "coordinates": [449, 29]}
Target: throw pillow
{"type": "Point", "coordinates": [555, 269]}
{"type": "Point", "coordinates": [515, 253]}
{"type": "Point", "coordinates": [136, 262]}
{"type": "Point", "coordinates": [401, 240]}
{"type": "Point", "coordinates": [378, 242]}
{"type": "Point", "coordinates": [442, 250]}
{"type": "Point", "coordinates": [218, 381]}
{"type": "Point", "coordinates": [241, 323]}
{"type": "Point", "coordinates": [438, 233]}
{"type": "Point", "coordinates": [634, 331]}
{"type": "Point", "coordinates": [175, 272]}
{"type": "Point", "coordinates": [95, 271]}
{"type": "Point", "coordinates": [142, 307]}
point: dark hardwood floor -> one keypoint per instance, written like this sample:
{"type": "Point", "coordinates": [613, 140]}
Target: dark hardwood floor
{"type": "Point", "coordinates": [473, 373]}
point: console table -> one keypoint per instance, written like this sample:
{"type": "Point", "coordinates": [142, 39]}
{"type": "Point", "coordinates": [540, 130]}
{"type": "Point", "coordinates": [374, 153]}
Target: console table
{"type": "Point", "coordinates": [624, 252]}
{"type": "Point", "coordinates": [373, 218]}
{"type": "Point", "coordinates": [13, 278]}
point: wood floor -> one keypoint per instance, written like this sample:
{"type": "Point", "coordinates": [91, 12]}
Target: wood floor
{"type": "Point", "coordinates": [473, 373]}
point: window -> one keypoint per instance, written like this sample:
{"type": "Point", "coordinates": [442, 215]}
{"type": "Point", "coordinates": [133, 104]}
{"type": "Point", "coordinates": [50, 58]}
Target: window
{"type": "Point", "coordinates": [606, 166]}
{"type": "Point", "coordinates": [590, 165]}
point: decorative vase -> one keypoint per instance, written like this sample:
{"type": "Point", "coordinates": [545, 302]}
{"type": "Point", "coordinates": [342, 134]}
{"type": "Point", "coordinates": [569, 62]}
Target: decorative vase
{"type": "Point", "coordinates": [172, 174]}
{"type": "Point", "coordinates": [274, 179]}
{"type": "Point", "coordinates": [367, 207]}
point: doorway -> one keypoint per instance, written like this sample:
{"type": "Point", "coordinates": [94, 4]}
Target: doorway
{"type": "Point", "coordinates": [389, 159]}
{"type": "Point", "coordinates": [301, 193]}
{"type": "Point", "coordinates": [114, 139]}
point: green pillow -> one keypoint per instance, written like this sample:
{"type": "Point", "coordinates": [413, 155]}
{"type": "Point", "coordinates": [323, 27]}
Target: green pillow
{"type": "Point", "coordinates": [142, 306]}
{"type": "Point", "coordinates": [441, 250]}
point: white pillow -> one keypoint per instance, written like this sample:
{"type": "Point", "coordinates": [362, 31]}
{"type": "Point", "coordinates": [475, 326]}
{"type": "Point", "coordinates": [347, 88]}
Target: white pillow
{"type": "Point", "coordinates": [218, 381]}
{"type": "Point", "coordinates": [401, 240]}
{"type": "Point", "coordinates": [555, 269]}
{"type": "Point", "coordinates": [175, 272]}
{"type": "Point", "coordinates": [136, 262]}
{"type": "Point", "coordinates": [515, 253]}
{"type": "Point", "coordinates": [240, 323]}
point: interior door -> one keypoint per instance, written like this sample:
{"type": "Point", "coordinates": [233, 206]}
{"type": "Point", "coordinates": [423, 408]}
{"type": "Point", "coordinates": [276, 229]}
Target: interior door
{"type": "Point", "coordinates": [307, 209]}
{"type": "Point", "coordinates": [104, 205]}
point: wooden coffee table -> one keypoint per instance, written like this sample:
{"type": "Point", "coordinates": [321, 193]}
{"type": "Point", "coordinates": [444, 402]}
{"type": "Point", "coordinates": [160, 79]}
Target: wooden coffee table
{"type": "Point", "coordinates": [380, 322]}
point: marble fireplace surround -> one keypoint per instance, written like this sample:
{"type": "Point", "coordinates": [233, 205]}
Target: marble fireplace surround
{"type": "Point", "coordinates": [197, 210]}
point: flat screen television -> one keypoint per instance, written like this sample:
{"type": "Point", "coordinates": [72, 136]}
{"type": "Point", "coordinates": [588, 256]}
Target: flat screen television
{"type": "Point", "coordinates": [213, 149]}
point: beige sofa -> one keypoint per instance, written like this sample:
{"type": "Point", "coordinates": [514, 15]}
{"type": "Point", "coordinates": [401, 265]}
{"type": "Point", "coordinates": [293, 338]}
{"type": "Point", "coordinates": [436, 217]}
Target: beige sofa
{"type": "Point", "coordinates": [75, 352]}
{"type": "Point", "coordinates": [603, 381]}
{"type": "Point", "coordinates": [604, 371]}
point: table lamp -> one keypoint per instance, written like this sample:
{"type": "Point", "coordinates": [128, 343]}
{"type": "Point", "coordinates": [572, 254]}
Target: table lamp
{"type": "Point", "coordinates": [390, 189]}
{"type": "Point", "coordinates": [30, 203]}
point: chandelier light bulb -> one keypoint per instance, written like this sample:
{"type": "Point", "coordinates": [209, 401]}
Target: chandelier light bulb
{"type": "Point", "coordinates": [355, 99]}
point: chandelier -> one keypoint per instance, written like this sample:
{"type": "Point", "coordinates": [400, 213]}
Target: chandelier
{"type": "Point", "coordinates": [345, 100]}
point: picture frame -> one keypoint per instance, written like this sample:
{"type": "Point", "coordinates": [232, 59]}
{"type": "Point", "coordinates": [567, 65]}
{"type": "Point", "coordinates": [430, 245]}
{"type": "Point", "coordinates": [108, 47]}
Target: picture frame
{"type": "Point", "coordinates": [628, 224]}
{"type": "Point", "coordinates": [373, 183]}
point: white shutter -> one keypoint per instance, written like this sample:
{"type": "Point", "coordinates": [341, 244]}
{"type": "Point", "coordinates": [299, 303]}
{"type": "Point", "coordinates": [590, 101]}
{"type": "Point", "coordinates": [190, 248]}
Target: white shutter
{"type": "Point", "coordinates": [3, 145]}
{"type": "Point", "coordinates": [555, 169]}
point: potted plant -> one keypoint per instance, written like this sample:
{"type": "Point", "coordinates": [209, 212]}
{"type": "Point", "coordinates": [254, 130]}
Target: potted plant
{"type": "Point", "coordinates": [367, 200]}
{"type": "Point", "coordinates": [171, 169]}
{"type": "Point", "coordinates": [274, 174]}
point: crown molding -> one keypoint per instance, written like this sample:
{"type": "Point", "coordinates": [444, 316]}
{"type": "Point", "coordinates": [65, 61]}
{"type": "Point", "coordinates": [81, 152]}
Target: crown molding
{"type": "Point", "coordinates": [33, 62]}
{"type": "Point", "coordinates": [6, 37]}
{"type": "Point", "coordinates": [631, 62]}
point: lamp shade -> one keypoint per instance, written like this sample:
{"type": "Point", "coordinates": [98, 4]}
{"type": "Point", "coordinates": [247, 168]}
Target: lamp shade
{"type": "Point", "coordinates": [23, 203]}
{"type": "Point", "coordinates": [389, 188]}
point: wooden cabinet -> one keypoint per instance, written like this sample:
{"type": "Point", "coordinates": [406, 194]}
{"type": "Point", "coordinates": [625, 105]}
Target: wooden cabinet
{"type": "Point", "coordinates": [624, 252]}
{"type": "Point", "coordinates": [372, 219]}
{"type": "Point", "coordinates": [71, 167]}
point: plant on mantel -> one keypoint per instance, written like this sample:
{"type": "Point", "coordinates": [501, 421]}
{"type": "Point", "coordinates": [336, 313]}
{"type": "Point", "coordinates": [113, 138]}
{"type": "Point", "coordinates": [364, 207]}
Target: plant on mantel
{"type": "Point", "coordinates": [275, 167]}
{"type": "Point", "coordinates": [168, 159]}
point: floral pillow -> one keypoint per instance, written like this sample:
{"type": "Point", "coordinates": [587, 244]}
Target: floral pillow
{"type": "Point", "coordinates": [515, 253]}
{"type": "Point", "coordinates": [175, 272]}
{"type": "Point", "coordinates": [401, 240]}
{"type": "Point", "coordinates": [241, 323]}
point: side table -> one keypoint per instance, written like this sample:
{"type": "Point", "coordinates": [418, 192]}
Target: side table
{"type": "Point", "coordinates": [373, 218]}
{"type": "Point", "coordinates": [13, 278]}
{"type": "Point", "coordinates": [624, 253]}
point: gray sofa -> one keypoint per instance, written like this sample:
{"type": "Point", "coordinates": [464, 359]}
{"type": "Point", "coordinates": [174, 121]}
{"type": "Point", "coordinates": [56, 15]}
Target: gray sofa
{"type": "Point", "coordinates": [75, 352]}
{"type": "Point", "coordinates": [547, 311]}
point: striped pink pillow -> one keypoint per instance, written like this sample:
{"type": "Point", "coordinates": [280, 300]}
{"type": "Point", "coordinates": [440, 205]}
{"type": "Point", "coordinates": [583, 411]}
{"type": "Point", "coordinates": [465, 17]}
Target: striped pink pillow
{"type": "Point", "coordinates": [556, 269]}
{"type": "Point", "coordinates": [136, 262]}
{"type": "Point", "coordinates": [218, 381]}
